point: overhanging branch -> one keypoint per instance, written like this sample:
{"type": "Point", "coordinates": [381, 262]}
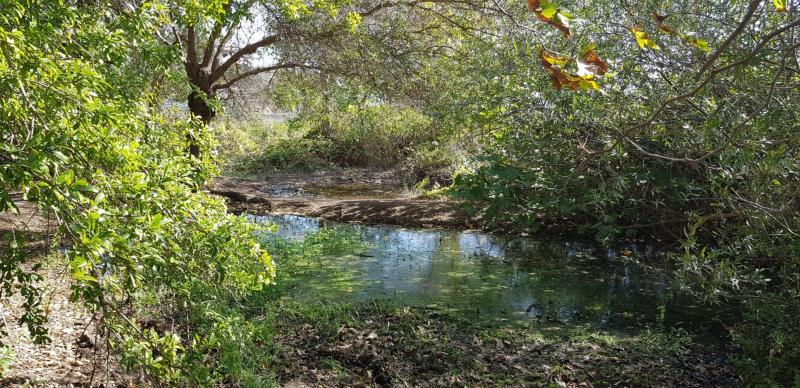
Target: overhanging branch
{"type": "Point", "coordinates": [739, 28]}
{"type": "Point", "coordinates": [246, 50]}
{"type": "Point", "coordinates": [265, 69]}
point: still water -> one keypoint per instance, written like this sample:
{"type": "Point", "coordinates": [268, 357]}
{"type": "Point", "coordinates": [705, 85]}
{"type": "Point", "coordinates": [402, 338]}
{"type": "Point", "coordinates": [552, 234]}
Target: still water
{"type": "Point", "coordinates": [497, 278]}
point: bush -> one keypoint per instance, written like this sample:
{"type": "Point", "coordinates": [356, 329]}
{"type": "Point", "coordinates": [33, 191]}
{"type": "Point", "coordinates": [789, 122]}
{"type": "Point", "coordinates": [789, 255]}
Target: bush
{"type": "Point", "coordinates": [375, 136]}
{"type": "Point", "coordinates": [290, 154]}
{"type": "Point", "coordinates": [434, 163]}
{"type": "Point", "coordinates": [252, 147]}
{"type": "Point", "coordinates": [81, 141]}
{"type": "Point", "coordinates": [770, 340]}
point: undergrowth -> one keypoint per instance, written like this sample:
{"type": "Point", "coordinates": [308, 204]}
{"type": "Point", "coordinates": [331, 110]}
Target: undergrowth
{"type": "Point", "coordinates": [371, 137]}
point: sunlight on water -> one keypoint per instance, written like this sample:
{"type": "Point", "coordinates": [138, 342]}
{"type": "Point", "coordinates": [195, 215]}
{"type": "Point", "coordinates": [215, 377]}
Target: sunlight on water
{"type": "Point", "coordinates": [496, 278]}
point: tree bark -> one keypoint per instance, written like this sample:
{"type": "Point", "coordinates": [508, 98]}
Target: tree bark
{"type": "Point", "coordinates": [199, 107]}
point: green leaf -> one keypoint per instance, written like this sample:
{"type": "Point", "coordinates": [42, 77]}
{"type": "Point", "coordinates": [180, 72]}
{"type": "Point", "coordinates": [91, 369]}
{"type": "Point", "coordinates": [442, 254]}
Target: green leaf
{"type": "Point", "coordinates": [82, 185]}
{"type": "Point", "coordinates": [66, 177]}
{"type": "Point", "coordinates": [549, 10]}
{"type": "Point", "coordinates": [643, 39]}
{"type": "Point", "coordinates": [696, 42]}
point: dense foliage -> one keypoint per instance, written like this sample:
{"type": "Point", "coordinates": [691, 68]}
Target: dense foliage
{"type": "Point", "coordinates": [83, 140]}
{"type": "Point", "coordinates": [314, 124]}
{"type": "Point", "coordinates": [353, 136]}
{"type": "Point", "coordinates": [674, 120]}
{"type": "Point", "coordinates": [690, 136]}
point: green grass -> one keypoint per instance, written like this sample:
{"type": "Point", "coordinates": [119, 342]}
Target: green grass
{"type": "Point", "coordinates": [6, 358]}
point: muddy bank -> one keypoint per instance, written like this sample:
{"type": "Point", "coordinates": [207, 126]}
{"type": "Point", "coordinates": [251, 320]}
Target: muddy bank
{"type": "Point", "coordinates": [356, 197]}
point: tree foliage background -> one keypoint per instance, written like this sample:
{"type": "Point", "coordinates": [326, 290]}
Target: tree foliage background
{"type": "Point", "coordinates": [668, 119]}
{"type": "Point", "coordinates": [689, 137]}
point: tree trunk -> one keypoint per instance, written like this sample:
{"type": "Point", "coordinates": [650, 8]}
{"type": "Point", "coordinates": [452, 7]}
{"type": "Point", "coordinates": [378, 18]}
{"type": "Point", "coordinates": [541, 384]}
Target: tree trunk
{"type": "Point", "coordinates": [199, 107]}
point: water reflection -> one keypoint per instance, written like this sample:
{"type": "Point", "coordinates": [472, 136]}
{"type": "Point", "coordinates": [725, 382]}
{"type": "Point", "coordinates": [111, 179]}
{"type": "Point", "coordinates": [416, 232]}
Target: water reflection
{"type": "Point", "coordinates": [497, 278]}
{"type": "Point", "coordinates": [290, 227]}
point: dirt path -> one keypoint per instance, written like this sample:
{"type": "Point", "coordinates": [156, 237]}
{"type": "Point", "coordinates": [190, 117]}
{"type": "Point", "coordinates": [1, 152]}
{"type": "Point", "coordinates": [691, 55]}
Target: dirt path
{"type": "Point", "coordinates": [357, 196]}
{"type": "Point", "coordinates": [30, 219]}
{"type": "Point", "coordinates": [76, 355]}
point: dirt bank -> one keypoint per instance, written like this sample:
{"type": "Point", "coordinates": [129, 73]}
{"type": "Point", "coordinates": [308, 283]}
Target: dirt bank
{"type": "Point", "coordinates": [357, 196]}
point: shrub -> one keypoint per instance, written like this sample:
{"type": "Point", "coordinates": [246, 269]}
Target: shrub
{"type": "Point", "coordinates": [375, 136]}
{"type": "Point", "coordinates": [81, 141]}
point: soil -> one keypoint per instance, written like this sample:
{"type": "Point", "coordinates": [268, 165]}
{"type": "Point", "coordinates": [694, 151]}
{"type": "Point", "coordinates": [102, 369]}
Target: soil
{"type": "Point", "coordinates": [77, 354]}
{"type": "Point", "coordinates": [355, 196]}
{"type": "Point", "coordinates": [29, 218]}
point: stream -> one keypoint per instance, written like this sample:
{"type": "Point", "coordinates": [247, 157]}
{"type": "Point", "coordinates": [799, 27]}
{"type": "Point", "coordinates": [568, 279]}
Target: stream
{"type": "Point", "coordinates": [505, 279]}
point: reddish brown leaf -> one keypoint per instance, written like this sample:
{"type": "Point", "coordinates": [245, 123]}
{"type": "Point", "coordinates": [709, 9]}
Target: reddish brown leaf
{"type": "Point", "coordinates": [555, 23]}
{"type": "Point", "coordinates": [659, 18]}
{"type": "Point", "coordinates": [696, 42]}
{"type": "Point", "coordinates": [598, 66]}
{"type": "Point", "coordinates": [661, 26]}
{"type": "Point", "coordinates": [667, 29]}
{"type": "Point", "coordinates": [562, 79]}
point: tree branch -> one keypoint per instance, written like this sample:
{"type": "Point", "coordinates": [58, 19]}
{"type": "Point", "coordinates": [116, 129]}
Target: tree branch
{"type": "Point", "coordinates": [712, 74]}
{"type": "Point", "coordinates": [751, 10]}
{"type": "Point", "coordinates": [221, 45]}
{"type": "Point", "coordinates": [208, 53]}
{"type": "Point", "coordinates": [390, 4]}
{"type": "Point", "coordinates": [260, 70]}
{"type": "Point", "coordinates": [191, 45]}
{"type": "Point", "coordinates": [178, 40]}
{"type": "Point", "coordinates": [246, 50]}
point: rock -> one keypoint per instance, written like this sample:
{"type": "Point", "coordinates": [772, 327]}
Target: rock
{"type": "Point", "coordinates": [85, 342]}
